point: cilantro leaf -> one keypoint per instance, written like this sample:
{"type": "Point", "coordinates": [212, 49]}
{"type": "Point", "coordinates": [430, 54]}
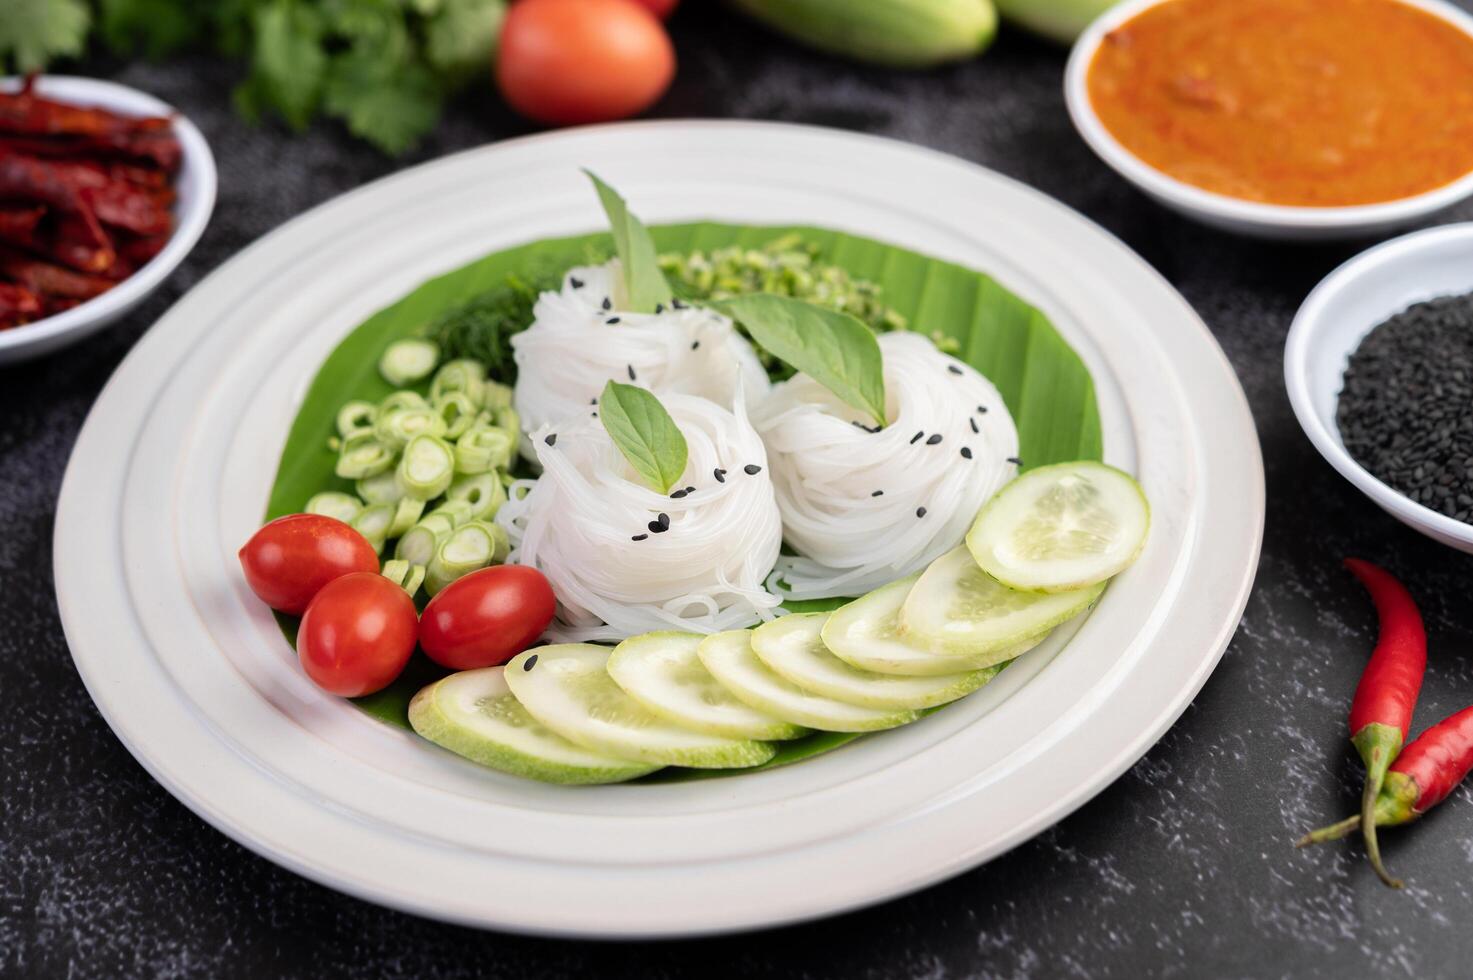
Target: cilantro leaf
{"type": "Point", "coordinates": [33, 32]}
{"type": "Point", "coordinates": [156, 27]}
{"type": "Point", "coordinates": [390, 109]}
{"type": "Point", "coordinates": [460, 37]}
{"type": "Point", "coordinates": [288, 63]}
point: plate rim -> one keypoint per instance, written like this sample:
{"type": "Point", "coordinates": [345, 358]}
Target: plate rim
{"type": "Point", "coordinates": [1241, 579]}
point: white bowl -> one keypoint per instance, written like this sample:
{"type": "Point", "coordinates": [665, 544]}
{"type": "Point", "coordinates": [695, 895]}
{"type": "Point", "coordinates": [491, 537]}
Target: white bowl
{"type": "Point", "coordinates": [1332, 322]}
{"type": "Point", "coordinates": [1230, 213]}
{"type": "Point", "coordinates": [196, 199]}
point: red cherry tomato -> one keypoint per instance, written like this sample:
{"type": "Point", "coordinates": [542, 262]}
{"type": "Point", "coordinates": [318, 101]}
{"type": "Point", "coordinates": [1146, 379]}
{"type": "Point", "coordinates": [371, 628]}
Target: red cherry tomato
{"type": "Point", "coordinates": [289, 560]}
{"type": "Point", "coordinates": [660, 8]}
{"type": "Point", "coordinates": [487, 617]}
{"type": "Point", "coordinates": [581, 61]}
{"type": "Point", "coordinates": [357, 634]}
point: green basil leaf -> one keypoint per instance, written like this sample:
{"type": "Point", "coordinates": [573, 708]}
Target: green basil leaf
{"type": "Point", "coordinates": [645, 433]}
{"type": "Point", "coordinates": [832, 348]}
{"type": "Point", "coordinates": [644, 283]}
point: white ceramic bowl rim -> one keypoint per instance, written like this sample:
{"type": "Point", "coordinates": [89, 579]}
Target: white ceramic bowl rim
{"type": "Point", "coordinates": [189, 224]}
{"type": "Point", "coordinates": [1192, 198]}
{"type": "Point", "coordinates": [1298, 350]}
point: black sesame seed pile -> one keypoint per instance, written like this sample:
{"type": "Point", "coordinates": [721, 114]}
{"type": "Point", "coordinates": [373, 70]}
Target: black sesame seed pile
{"type": "Point", "coordinates": [1406, 411]}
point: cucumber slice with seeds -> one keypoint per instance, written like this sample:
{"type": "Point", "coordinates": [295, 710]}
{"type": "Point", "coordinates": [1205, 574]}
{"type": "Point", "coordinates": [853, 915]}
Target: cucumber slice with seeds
{"type": "Point", "coordinates": [731, 660]}
{"type": "Point", "coordinates": [568, 688]}
{"type": "Point", "coordinates": [474, 714]}
{"type": "Point", "coordinates": [662, 672]}
{"type": "Point", "coordinates": [793, 647]}
{"type": "Point", "coordinates": [957, 609]}
{"type": "Point", "coordinates": [1060, 528]}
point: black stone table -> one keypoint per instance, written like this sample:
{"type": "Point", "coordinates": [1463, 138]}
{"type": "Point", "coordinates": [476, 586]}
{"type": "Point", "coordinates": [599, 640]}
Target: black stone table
{"type": "Point", "coordinates": [1182, 868]}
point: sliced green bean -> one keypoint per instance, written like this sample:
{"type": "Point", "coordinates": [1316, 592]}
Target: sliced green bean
{"type": "Point", "coordinates": [402, 399]}
{"type": "Point", "coordinates": [419, 544]}
{"type": "Point", "coordinates": [508, 421]}
{"type": "Point", "coordinates": [457, 511]}
{"type": "Point", "coordinates": [482, 449]}
{"type": "Point", "coordinates": [361, 456]}
{"type": "Point", "coordinates": [331, 503]}
{"type": "Point", "coordinates": [497, 396]}
{"type": "Point", "coordinates": [468, 548]}
{"type": "Point", "coordinates": [373, 523]}
{"type": "Point", "coordinates": [483, 491]}
{"type": "Point", "coordinates": [407, 513]}
{"type": "Point", "coordinates": [395, 427]}
{"type": "Point", "coordinates": [381, 489]}
{"type": "Point", "coordinates": [458, 412]}
{"type": "Point", "coordinates": [405, 575]}
{"type": "Point", "coordinates": [502, 543]}
{"type": "Point", "coordinates": [356, 417]}
{"type": "Point", "coordinates": [406, 361]}
{"type": "Point", "coordinates": [465, 375]}
{"type": "Point", "coordinates": [427, 467]}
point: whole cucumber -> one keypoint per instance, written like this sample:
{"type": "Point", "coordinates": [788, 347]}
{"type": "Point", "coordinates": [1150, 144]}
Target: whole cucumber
{"type": "Point", "coordinates": [895, 33]}
{"type": "Point", "coordinates": [1061, 20]}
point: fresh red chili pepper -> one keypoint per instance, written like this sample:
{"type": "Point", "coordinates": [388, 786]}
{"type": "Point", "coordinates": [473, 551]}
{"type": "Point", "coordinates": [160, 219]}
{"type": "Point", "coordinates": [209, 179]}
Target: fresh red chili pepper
{"type": "Point", "coordinates": [1381, 712]}
{"type": "Point", "coordinates": [1423, 775]}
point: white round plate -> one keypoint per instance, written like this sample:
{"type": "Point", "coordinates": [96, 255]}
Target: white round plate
{"type": "Point", "coordinates": [171, 474]}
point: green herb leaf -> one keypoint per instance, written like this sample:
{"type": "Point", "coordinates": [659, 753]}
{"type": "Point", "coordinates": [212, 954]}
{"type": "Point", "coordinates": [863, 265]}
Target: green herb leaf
{"type": "Point", "coordinates": [32, 32]}
{"type": "Point", "coordinates": [288, 63]}
{"type": "Point", "coordinates": [156, 27]}
{"type": "Point", "coordinates": [832, 348]}
{"type": "Point", "coordinates": [390, 111]}
{"type": "Point", "coordinates": [645, 433]}
{"type": "Point", "coordinates": [460, 36]}
{"type": "Point", "coordinates": [643, 282]}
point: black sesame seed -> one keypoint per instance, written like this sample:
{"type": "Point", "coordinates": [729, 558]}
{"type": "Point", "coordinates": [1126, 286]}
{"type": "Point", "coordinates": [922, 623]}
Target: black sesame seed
{"type": "Point", "coordinates": [655, 526]}
{"type": "Point", "coordinates": [690, 489]}
{"type": "Point", "coordinates": [676, 304]}
{"type": "Point", "coordinates": [974, 425]}
{"type": "Point", "coordinates": [981, 409]}
{"type": "Point", "coordinates": [720, 475]}
{"type": "Point", "coordinates": [593, 415]}
{"type": "Point", "coordinates": [612, 320]}
{"type": "Point", "coordinates": [751, 469]}
{"type": "Point", "coordinates": [608, 304]}
{"type": "Point", "coordinates": [593, 401]}
{"type": "Point", "coordinates": [530, 662]}
{"type": "Point", "coordinates": [920, 512]}
{"type": "Point", "coordinates": [934, 440]}
{"type": "Point", "coordinates": [953, 369]}
{"type": "Point", "coordinates": [551, 439]}
{"type": "Point", "coordinates": [639, 537]}
{"type": "Point", "coordinates": [916, 438]}
{"type": "Point", "coordinates": [630, 368]}
{"type": "Point", "coordinates": [678, 494]}
{"type": "Point", "coordinates": [659, 307]}
{"type": "Point", "coordinates": [695, 345]}
{"type": "Point", "coordinates": [664, 522]}
{"type": "Point", "coordinates": [878, 493]}
{"type": "Point", "coordinates": [1015, 461]}
{"type": "Point", "coordinates": [966, 452]}
{"type": "Point", "coordinates": [575, 282]}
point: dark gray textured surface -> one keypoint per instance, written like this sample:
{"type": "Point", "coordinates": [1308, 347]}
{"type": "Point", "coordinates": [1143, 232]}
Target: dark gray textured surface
{"type": "Point", "coordinates": [1182, 868]}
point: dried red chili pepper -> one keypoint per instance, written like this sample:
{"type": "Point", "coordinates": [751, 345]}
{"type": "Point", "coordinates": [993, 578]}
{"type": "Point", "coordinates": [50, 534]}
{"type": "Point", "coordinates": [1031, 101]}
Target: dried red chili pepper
{"type": "Point", "coordinates": [77, 187]}
{"type": "Point", "coordinates": [32, 115]}
{"type": "Point", "coordinates": [18, 223]}
{"type": "Point", "coordinates": [1423, 775]}
{"type": "Point", "coordinates": [50, 280]}
{"type": "Point", "coordinates": [162, 149]}
{"type": "Point", "coordinates": [17, 305]}
{"type": "Point", "coordinates": [77, 242]}
{"type": "Point", "coordinates": [1381, 712]}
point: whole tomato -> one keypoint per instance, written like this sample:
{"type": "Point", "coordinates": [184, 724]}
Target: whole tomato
{"type": "Point", "coordinates": [487, 617]}
{"type": "Point", "coordinates": [357, 634]}
{"type": "Point", "coordinates": [289, 560]}
{"type": "Point", "coordinates": [582, 61]}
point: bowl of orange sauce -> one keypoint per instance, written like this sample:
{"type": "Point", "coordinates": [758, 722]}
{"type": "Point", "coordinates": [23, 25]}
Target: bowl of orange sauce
{"type": "Point", "coordinates": [1301, 119]}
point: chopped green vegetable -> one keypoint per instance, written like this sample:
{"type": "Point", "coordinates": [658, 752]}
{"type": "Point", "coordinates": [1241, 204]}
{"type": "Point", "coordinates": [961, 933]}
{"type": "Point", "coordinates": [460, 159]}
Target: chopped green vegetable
{"type": "Point", "coordinates": [382, 488]}
{"type": "Point", "coordinates": [406, 513]}
{"type": "Point", "coordinates": [397, 426]}
{"type": "Point", "coordinates": [483, 491]}
{"type": "Point", "coordinates": [374, 524]}
{"type": "Point", "coordinates": [406, 361]}
{"type": "Point", "coordinates": [894, 33]}
{"type": "Point", "coordinates": [32, 32]}
{"type": "Point", "coordinates": [427, 466]}
{"type": "Point", "coordinates": [355, 418]}
{"type": "Point", "coordinates": [644, 432]}
{"type": "Point", "coordinates": [1061, 20]}
{"type": "Point", "coordinates": [468, 548]}
{"type": "Point", "coordinates": [331, 503]}
{"type": "Point", "coordinates": [466, 376]}
{"type": "Point", "coordinates": [482, 326]}
{"type": "Point", "coordinates": [363, 455]}
{"type": "Point", "coordinates": [482, 449]}
{"type": "Point", "coordinates": [408, 577]}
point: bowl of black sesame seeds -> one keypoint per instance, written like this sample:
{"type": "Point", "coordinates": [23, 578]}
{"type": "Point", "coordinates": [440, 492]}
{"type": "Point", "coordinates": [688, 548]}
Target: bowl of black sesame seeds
{"type": "Point", "coordinates": [1379, 367]}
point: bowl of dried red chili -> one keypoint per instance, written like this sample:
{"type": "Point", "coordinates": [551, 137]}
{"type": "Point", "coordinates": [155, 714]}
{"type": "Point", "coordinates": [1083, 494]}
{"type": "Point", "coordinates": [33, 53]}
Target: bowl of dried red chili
{"type": "Point", "coordinates": [103, 191]}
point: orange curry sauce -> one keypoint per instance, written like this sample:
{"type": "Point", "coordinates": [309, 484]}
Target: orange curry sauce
{"type": "Point", "coordinates": [1303, 102]}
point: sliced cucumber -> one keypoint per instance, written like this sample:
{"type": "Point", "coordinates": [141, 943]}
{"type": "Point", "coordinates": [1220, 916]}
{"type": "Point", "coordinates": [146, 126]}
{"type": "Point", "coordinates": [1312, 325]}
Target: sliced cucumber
{"type": "Point", "coordinates": [474, 714]}
{"type": "Point", "coordinates": [662, 672]}
{"type": "Point", "coordinates": [957, 609]}
{"type": "Point", "coordinates": [793, 647]}
{"type": "Point", "coordinates": [568, 688]}
{"type": "Point", "coordinates": [731, 660]}
{"type": "Point", "coordinates": [1060, 528]}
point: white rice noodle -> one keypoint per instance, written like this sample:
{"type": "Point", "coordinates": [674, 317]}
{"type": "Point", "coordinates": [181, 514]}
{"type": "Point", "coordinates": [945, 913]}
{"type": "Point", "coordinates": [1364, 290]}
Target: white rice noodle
{"type": "Point", "coordinates": [578, 523]}
{"type": "Point", "coordinates": [850, 497]}
{"type": "Point", "coordinates": [571, 351]}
